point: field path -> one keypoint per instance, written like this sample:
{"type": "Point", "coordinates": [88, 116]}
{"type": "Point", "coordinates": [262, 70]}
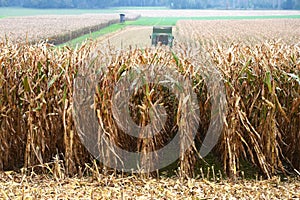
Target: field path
{"type": "Point", "coordinates": [131, 35]}
{"type": "Point", "coordinates": [138, 36]}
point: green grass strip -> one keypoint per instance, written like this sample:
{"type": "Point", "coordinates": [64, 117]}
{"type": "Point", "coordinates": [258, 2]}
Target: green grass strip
{"type": "Point", "coordinates": [109, 29]}
{"type": "Point", "coordinates": [171, 21]}
{"type": "Point", "coordinates": [151, 21]}
{"type": "Point", "coordinates": [140, 8]}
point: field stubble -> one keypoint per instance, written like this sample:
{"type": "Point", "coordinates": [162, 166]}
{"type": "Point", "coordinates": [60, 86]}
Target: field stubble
{"type": "Point", "coordinates": [17, 186]}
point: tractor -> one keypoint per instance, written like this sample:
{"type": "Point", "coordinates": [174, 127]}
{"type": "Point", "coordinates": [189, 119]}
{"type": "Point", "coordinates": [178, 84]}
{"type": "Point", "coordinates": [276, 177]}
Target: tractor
{"type": "Point", "coordinates": [162, 35]}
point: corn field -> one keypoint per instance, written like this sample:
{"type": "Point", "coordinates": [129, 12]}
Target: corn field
{"type": "Point", "coordinates": [257, 72]}
{"type": "Point", "coordinates": [57, 29]}
{"type": "Point", "coordinates": [248, 32]}
{"type": "Point", "coordinates": [262, 85]}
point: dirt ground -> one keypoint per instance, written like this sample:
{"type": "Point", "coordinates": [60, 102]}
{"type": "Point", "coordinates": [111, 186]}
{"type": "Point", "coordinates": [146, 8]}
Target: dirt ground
{"type": "Point", "coordinates": [135, 36]}
{"type": "Point", "coordinates": [138, 36]}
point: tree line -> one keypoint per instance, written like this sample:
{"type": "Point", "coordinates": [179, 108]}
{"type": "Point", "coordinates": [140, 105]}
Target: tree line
{"type": "Point", "coordinates": [174, 4]}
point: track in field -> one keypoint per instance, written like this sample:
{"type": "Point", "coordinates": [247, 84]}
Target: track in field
{"type": "Point", "coordinates": [136, 36]}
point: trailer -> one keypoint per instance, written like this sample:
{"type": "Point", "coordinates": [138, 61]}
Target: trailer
{"type": "Point", "coordinates": [162, 35]}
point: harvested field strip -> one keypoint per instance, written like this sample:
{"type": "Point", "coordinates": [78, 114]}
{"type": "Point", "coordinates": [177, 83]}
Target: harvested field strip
{"type": "Point", "coordinates": [150, 21]}
{"type": "Point", "coordinates": [17, 186]}
{"type": "Point", "coordinates": [127, 37]}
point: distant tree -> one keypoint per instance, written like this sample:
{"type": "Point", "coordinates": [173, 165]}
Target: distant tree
{"type": "Point", "coordinates": [297, 4]}
{"type": "Point", "coordinates": [189, 4]}
{"type": "Point", "coordinates": [32, 3]}
{"type": "Point", "coordinates": [288, 4]}
{"type": "Point", "coordinates": [174, 4]}
{"type": "Point", "coordinates": [4, 3]}
{"type": "Point", "coordinates": [279, 4]}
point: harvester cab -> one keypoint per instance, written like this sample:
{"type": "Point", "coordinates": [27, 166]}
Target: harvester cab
{"type": "Point", "coordinates": [162, 35]}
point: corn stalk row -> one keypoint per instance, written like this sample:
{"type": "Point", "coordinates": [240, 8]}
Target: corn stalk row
{"type": "Point", "coordinates": [262, 91]}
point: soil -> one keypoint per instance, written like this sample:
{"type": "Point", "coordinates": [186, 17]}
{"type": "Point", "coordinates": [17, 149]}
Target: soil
{"type": "Point", "coordinates": [131, 35]}
{"type": "Point", "coordinates": [135, 36]}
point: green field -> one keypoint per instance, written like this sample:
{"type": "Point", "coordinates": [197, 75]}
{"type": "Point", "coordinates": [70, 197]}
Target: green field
{"type": "Point", "coordinates": [171, 21]}
{"type": "Point", "coordinates": [18, 11]}
{"type": "Point", "coordinates": [10, 11]}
